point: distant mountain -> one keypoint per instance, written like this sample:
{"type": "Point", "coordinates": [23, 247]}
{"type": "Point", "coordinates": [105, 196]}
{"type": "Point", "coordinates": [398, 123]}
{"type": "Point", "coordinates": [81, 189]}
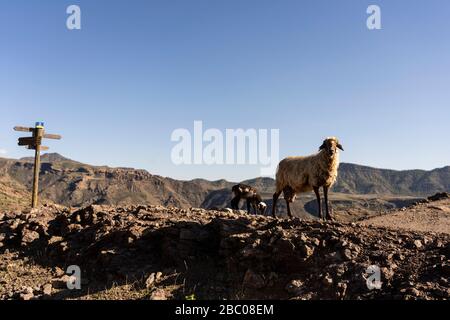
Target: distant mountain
{"type": "Point", "coordinates": [356, 179]}
{"type": "Point", "coordinates": [50, 157]}
{"type": "Point", "coordinates": [72, 183]}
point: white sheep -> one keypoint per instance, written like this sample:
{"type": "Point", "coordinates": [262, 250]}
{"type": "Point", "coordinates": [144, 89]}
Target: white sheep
{"type": "Point", "coordinates": [303, 174]}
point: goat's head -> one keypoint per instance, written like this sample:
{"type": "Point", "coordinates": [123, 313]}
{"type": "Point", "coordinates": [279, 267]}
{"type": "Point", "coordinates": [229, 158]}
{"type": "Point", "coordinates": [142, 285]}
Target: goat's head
{"type": "Point", "coordinates": [330, 145]}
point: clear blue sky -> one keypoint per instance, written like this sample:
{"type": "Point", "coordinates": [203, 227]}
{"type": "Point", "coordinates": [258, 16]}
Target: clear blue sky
{"type": "Point", "coordinates": [137, 70]}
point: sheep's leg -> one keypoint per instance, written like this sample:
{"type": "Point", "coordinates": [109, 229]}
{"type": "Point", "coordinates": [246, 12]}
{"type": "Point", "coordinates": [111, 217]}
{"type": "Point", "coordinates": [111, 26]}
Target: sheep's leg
{"type": "Point", "coordinates": [263, 211]}
{"type": "Point", "coordinates": [319, 204]}
{"type": "Point", "coordinates": [274, 202]}
{"type": "Point", "coordinates": [288, 208]}
{"type": "Point", "coordinates": [235, 203]}
{"type": "Point", "coordinates": [325, 194]}
{"type": "Point", "coordinates": [248, 206]}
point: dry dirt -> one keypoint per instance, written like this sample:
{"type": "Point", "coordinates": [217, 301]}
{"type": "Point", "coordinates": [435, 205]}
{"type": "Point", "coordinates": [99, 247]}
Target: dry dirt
{"type": "Point", "coordinates": [422, 217]}
{"type": "Point", "coordinates": [155, 252]}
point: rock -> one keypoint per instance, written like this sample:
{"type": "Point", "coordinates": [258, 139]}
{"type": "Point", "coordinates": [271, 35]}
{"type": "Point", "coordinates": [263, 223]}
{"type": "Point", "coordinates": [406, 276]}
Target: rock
{"type": "Point", "coordinates": [342, 290]}
{"type": "Point", "coordinates": [327, 280]}
{"type": "Point", "coordinates": [316, 242]}
{"type": "Point", "coordinates": [55, 239]}
{"type": "Point", "coordinates": [342, 244]}
{"type": "Point", "coordinates": [340, 270]}
{"type": "Point", "coordinates": [59, 272]}
{"type": "Point", "coordinates": [307, 251]}
{"type": "Point", "coordinates": [136, 232]}
{"type": "Point", "coordinates": [253, 280]}
{"type": "Point", "coordinates": [61, 283]}
{"type": "Point", "coordinates": [427, 240]}
{"type": "Point", "coordinates": [29, 236]}
{"type": "Point", "coordinates": [418, 244]}
{"type": "Point", "coordinates": [150, 281]}
{"type": "Point", "coordinates": [158, 294]}
{"type": "Point", "coordinates": [388, 273]}
{"type": "Point", "coordinates": [74, 227]}
{"type": "Point", "coordinates": [294, 287]}
{"type": "Point", "coordinates": [47, 289]}
{"type": "Point", "coordinates": [303, 238]}
{"type": "Point", "coordinates": [439, 196]}
{"type": "Point", "coordinates": [26, 296]}
{"type": "Point", "coordinates": [14, 224]}
{"type": "Point", "coordinates": [413, 292]}
{"type": "Point", "coordinates": [399, 256]}
{"type": "Point", "coordinates": [28, 290]}
{"type": "Point", "coordinates": [311, 259]}
{"type": "Point", "coordinates": [347, 254]}
{"type": "Point", "coordinates": [334, 256]}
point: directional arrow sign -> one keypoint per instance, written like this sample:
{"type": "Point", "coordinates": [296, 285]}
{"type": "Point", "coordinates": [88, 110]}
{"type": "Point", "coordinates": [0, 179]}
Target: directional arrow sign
{"type": "Point", "coordinates": [52, 136]}
{"type": "Point", "coordinates": [23, 129]}
{"type": "Point", "coordinates": [27, 141]}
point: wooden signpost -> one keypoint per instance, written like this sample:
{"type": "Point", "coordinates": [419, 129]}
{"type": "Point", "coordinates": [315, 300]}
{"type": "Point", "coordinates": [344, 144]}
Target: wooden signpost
{"type": "Point", "coordinates": [34, 143]}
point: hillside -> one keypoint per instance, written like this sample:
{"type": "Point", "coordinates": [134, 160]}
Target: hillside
{"type": "Point", "coordinates": [75, 184]}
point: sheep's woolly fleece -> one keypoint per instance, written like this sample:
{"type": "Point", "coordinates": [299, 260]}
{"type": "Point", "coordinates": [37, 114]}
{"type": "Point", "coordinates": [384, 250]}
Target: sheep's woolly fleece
{"type": "Point", "coordinates": [303, 173]}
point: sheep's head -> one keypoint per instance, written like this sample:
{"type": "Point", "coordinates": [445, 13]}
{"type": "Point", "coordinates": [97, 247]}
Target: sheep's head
{"type": "Point", "coordinates": [330, 145]}
{"type": "Point", "coordinates": [262, 206]}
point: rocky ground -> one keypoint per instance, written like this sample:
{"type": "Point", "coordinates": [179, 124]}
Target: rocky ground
{"type": "Point", "coordinates": [429, 216]}
{"type": "Point", "coordinates": [155, 252]}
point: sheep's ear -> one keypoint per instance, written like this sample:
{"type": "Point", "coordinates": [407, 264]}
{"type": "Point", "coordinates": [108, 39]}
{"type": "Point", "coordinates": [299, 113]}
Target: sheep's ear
{"type": "Point", "coordinates": [340, 146]}
{"type": "Point", "coordinates": [322, 146]}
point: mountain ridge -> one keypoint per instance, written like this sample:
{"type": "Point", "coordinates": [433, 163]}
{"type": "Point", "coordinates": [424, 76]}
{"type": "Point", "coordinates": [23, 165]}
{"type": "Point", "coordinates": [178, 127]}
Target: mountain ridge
{"type": "Point", "coordinates": [68, 182]}
{"type": "Point", "coordinates": [56, 157]}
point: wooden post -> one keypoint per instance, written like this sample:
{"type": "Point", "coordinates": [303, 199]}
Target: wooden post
{"type": "Point", "coordinates": [38, 133]}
